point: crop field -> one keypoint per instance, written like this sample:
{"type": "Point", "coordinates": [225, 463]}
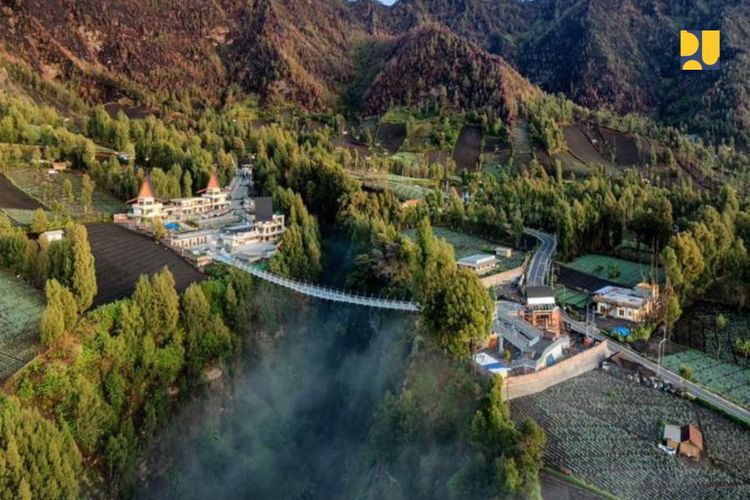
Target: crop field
{"type": "Point", "coordinates": [405, 188]}
{"type": "Point", "coordinates": [521, 141]}
{"type": "Point", "coordinates": [697, 329]}
{"type": "Point", "coordinates": [390, 136]}
{"type": "Point", "coordinates": [12, 197]}
{"type": "Point", "coordinates": [468, 147]}
{"type": "Point", "coordinates": [620, 271]}
{"type": "Point", "coordinates": [23, 216]}
{"type": "Point", "coordinates": [465, 245]}
{"type": "Point", "coordinates": [573, 298]}
{"type": "Point", "coordinates": [728, 379]}
{"type": "Point", "coordinates": [40, 185]}
{"type": "Point", "coordinates": [21, 307]}
{"type": "Point", "coordinates": [121, 256]}
{"type": "Point", "coordinates": [578, 280]}
{"type": "Point", "coordinates": [624, 147]}
{"type": "Point", "coordinates": [580, 146]}
{"type": "Point", "coordinates": [605, 430]}
{"type": "Point", "coordinates": [437, 156]}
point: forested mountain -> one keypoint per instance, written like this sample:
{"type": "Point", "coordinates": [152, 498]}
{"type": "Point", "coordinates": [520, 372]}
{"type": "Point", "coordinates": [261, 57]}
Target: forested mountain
{"type": "Point", "coordinates": [621, 55]}
{"type": "Point", "coordinates": [431, 63]}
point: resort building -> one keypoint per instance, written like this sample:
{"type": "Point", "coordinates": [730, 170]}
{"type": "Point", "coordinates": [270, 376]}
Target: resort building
{"type": "Point", "coordinates": [192, 239]}
{"type": "Point", "coordinates": [480, 263]}
{"type": "Point", "coordinates": [631, 304]}
{"type": "Point", "coordinates": [259, 232]}
{"type": "Point", "coordinates": [146, 206]}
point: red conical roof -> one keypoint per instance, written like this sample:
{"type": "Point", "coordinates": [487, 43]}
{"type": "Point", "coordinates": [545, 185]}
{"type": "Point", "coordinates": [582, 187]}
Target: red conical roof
{"type": "Point", "coordinates": [145, 191]}
{"type": "Point", "coordinates": [213, 182]}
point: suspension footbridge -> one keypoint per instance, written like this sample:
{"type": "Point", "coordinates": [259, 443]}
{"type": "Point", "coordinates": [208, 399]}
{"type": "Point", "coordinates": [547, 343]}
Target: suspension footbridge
{"type": "Point", "coordinates": [538, 269]}
{"type": "Point", "coordinates": [321, 292]}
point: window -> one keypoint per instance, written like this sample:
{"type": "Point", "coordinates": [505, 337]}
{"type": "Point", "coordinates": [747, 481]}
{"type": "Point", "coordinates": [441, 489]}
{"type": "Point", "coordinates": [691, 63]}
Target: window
{"type": "Point", "coordinates": [620, 311]}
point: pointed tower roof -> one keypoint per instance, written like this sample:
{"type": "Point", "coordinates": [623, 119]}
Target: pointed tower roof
{"type": "Point", "coordinates": [213, 182]}
{"type": "Point", "coordinates": [145, 191]}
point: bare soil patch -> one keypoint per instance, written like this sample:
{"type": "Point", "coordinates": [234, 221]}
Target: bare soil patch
{"type": "Point", "coordinates": [12, 197]}
{"type": "Point", "coordinates": [468, 147]}
{"type": "Point", "coordinates": [580, 145]}
{"type": "Point", "coordinates": [121, 256]}
{"type": "Point", "coordinates": [623, 145]}
{"type": "Point", "coordinates": [348, 142]}
{"type": "Point", "coordinates": [391, 136]}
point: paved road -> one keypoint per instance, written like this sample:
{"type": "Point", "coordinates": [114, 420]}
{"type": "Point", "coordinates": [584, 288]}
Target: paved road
{"type": "Point", "coordinates": [541, 261]}
{"type": "Point", "coordinates": [239, 189]}
{"type": "Point", "coordinates": [669, 376]}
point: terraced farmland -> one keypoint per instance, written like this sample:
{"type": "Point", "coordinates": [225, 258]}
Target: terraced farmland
{"type": "Point", "coordinates": [521, 142]}
{"type": "Point", "coordinates": [40, 185]}
{"type": "Point", "coordinates": [728, 379]}
{"type": "Point", "coordinates": [21, 307]}
{"type": "Point", "coordinates": [605, 430]}
{"type": "Point", "coordinates": [121, 256]}
{"type": "Point", "coordinates": [12, 197]}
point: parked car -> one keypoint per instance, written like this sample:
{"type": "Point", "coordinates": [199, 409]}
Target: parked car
{"type": "Point", "coordinates": [667, 449]}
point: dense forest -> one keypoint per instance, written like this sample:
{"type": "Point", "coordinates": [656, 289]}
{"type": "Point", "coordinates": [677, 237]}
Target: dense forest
{"type": "Point", "coordinates": [120, 104]}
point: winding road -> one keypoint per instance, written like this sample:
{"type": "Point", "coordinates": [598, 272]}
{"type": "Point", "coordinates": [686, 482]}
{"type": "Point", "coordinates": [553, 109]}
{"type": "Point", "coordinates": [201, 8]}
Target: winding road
{"type": "Point", "coordinates": [541, 261]}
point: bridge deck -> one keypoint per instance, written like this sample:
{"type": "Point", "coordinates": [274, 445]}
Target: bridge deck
{"type": "Point", "coordinates": [322, 292]}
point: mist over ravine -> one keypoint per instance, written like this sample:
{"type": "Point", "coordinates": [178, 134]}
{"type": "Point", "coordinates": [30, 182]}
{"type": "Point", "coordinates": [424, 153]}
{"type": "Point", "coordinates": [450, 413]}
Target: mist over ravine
{"type": "Point", "coordinates": [294, 421]}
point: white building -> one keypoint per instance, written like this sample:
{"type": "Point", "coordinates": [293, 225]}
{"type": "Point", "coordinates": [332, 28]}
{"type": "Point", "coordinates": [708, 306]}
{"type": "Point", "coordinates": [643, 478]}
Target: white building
{"type": "Point", "coordinates": [491, 364]}
{"type": "Point", "coordinates": [631, 304]}
{"type": "Point", "coordinates": [146, 206]}
{"type": "Point", "coordinates": [503, 252]}
{"type": "Point", "coordinates": [192, 239]}
{"type": "Point", "coordinates": [481, 263]}
{"type": "Point", "coordinates": [50, 236]}
{"type": "Point", "coordinates": [257, 233]}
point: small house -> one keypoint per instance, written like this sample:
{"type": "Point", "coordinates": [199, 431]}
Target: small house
{"type": "Point", "coordinates": [480, 263]}
{"type": "Point", "coordinates": [50, 236]}
{"type": "Point", "coordinates": [686, 439]}
{"type": "Point", "coordinates": [59, 166]}
{"type": "Point", "coordinates": [692, 442]}
{"type": "Point", "coordinates": [632, 304]}
{"type": "Point", "coordinates": [503, 252]}
{"type": "Point", "coordinates": [411, 203]}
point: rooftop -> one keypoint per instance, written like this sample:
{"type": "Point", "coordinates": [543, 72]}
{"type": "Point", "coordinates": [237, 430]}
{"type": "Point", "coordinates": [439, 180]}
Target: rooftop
{"type": "Point", "coordinates": [263, 209]}
{"type": "Point", "coordinates": [619, 296]}
{"type": "Point", "coordinates": [478, 260]}
{"type": "Point", "coordinates": [538, 292]}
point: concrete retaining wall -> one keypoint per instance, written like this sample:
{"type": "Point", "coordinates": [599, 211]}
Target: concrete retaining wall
{"type": "Point", "coordinates": [501, 278]}
{"type": "Point", "coordinates": [525, 385]}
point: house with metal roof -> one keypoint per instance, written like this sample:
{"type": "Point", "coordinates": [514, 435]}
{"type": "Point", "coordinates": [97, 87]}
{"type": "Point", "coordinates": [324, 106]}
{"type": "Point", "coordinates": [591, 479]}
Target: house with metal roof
{"type": "Point", "coordinates": [631, 304]}
{"type": "Point", "coordinates": [480, 263]}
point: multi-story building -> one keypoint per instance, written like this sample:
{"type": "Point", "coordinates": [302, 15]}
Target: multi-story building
{"type": "Point", "coordinates": [146, 206]}
{"type": "Point", "coordinates": [542, 311]}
